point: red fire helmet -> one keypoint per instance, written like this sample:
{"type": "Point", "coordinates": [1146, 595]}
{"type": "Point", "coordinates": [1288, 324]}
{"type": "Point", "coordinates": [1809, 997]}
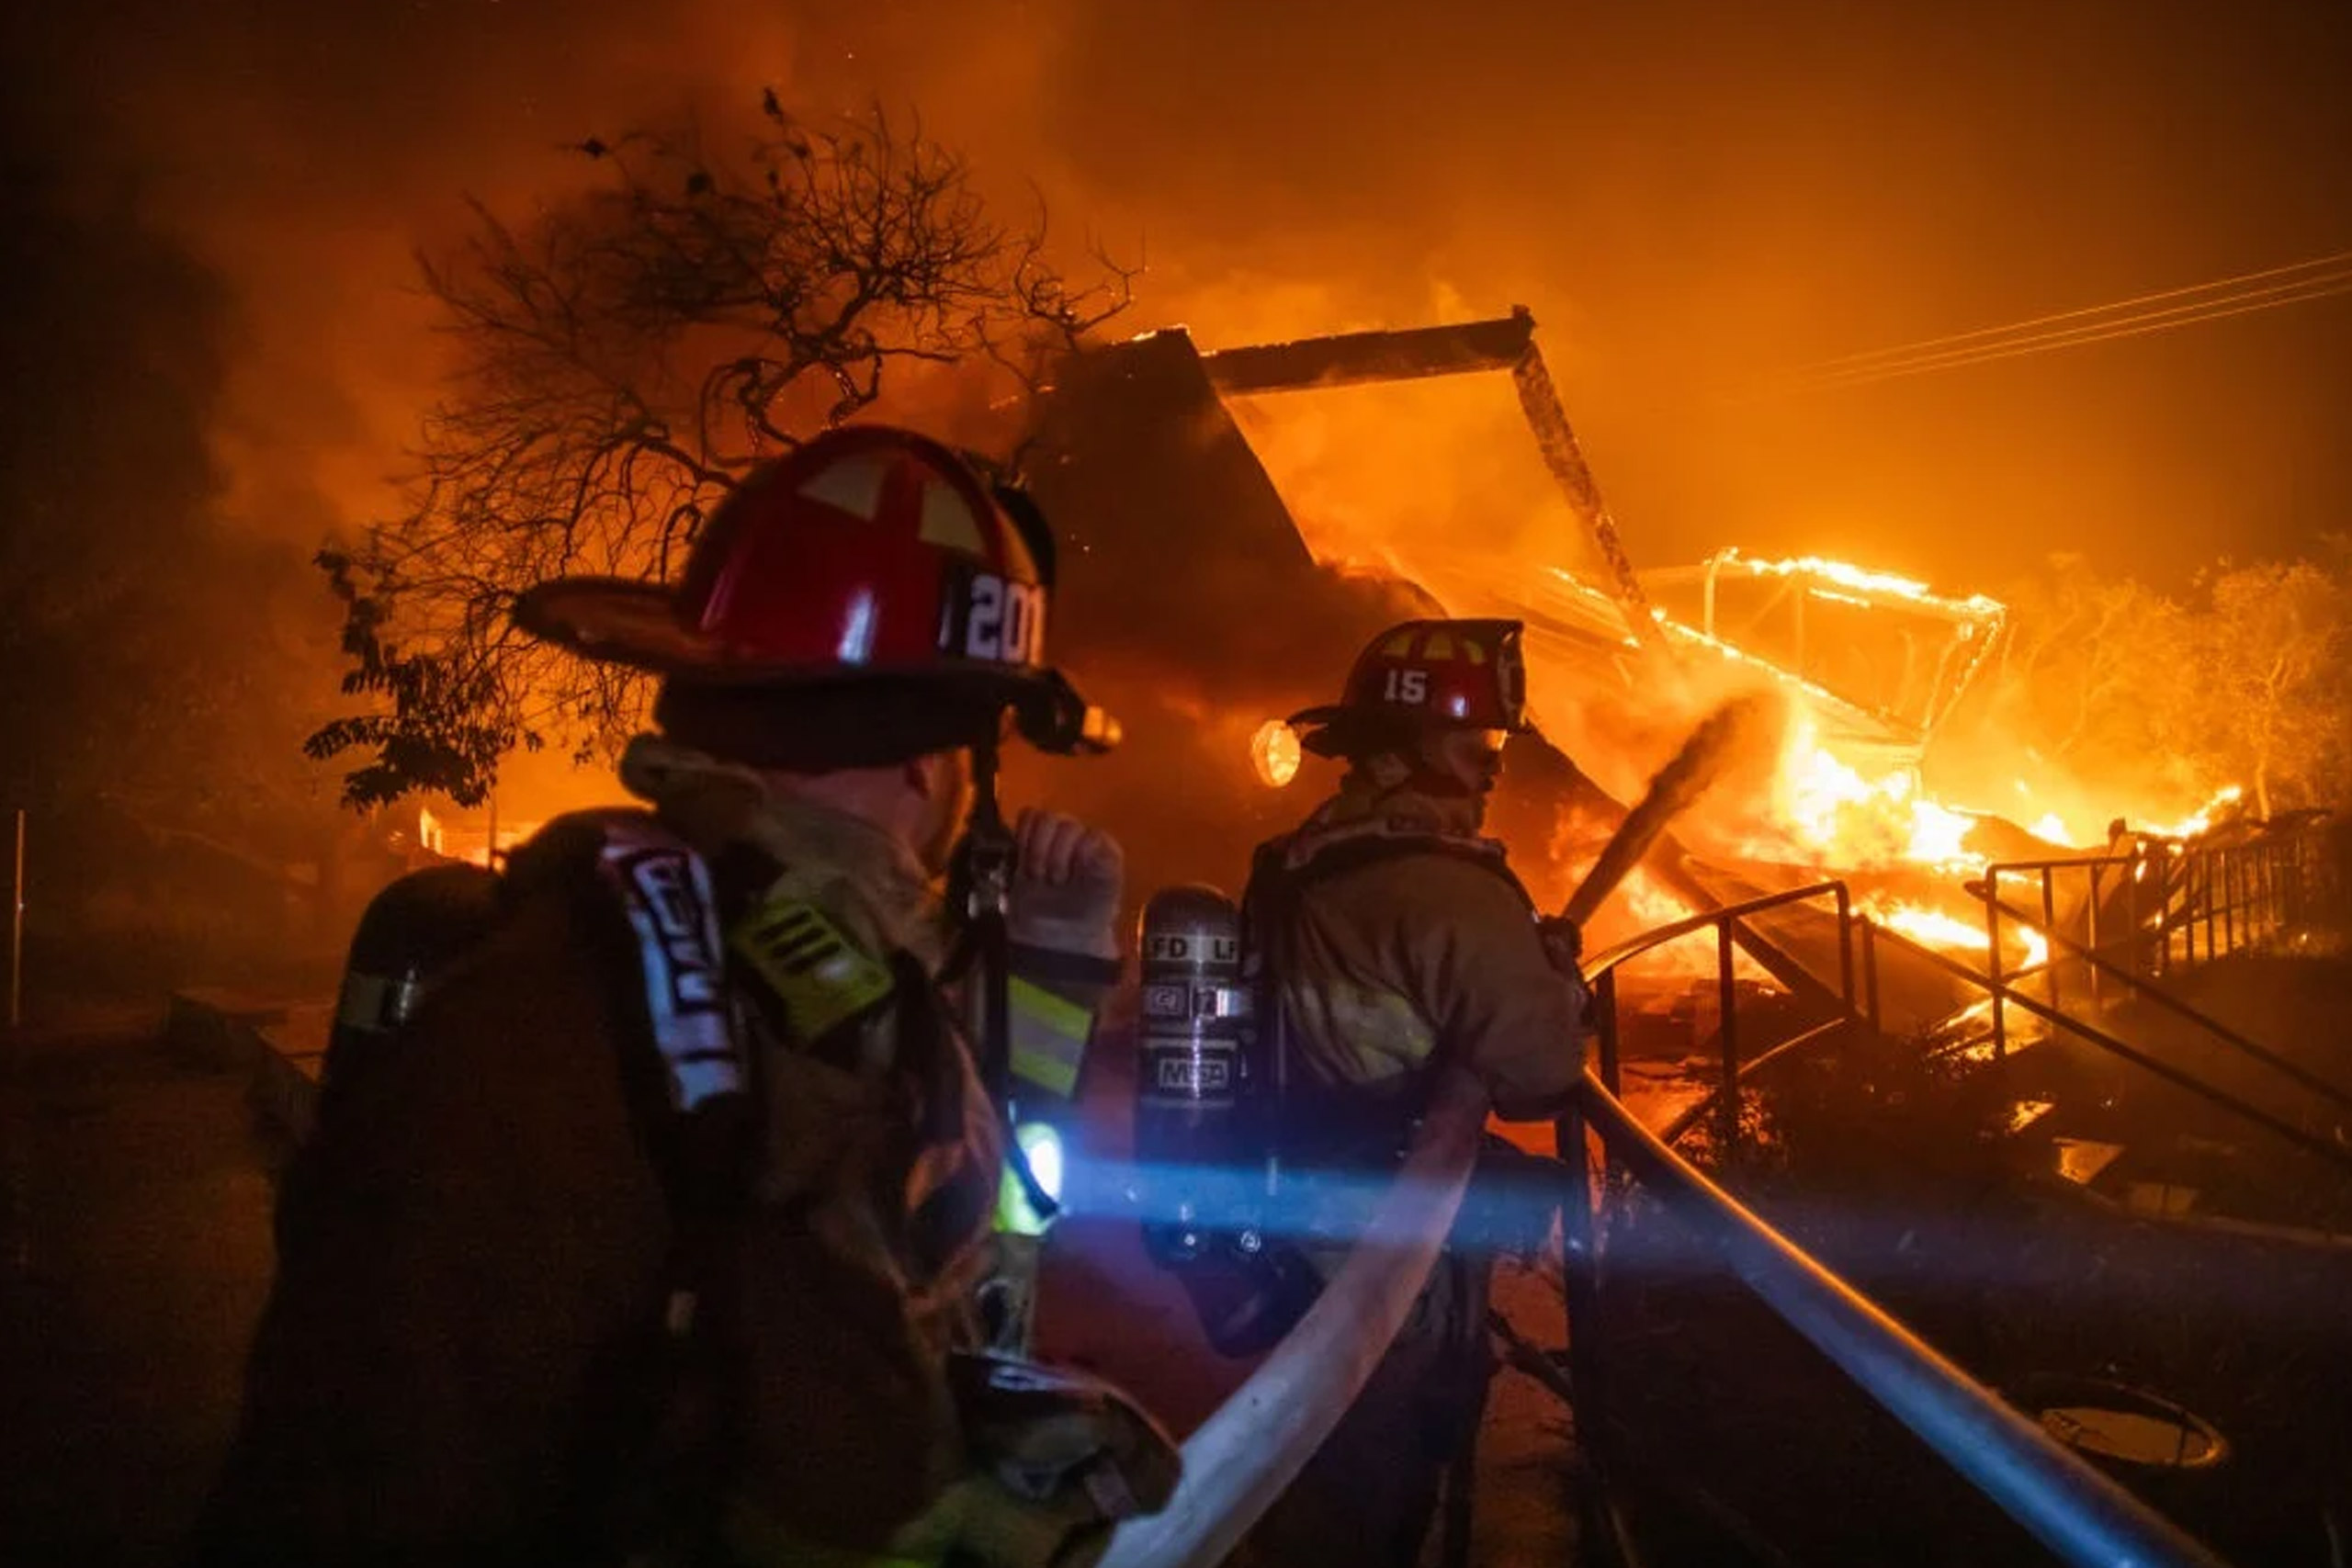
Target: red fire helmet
{"type": "Point", "coordinates": [869, 553]}
{"type": "Point", "coordinates": [1445, 674]}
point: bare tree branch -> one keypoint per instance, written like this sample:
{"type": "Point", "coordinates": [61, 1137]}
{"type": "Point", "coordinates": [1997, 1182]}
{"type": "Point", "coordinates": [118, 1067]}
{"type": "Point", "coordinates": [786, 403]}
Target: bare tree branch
{"type": "Point", "coordinates": [620, 362]}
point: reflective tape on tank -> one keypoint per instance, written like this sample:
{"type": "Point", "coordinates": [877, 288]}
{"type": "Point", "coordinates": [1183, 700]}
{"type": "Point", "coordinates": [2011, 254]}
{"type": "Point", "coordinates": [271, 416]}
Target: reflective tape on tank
{"type": "Point", "coordinates": [1049, 1036]}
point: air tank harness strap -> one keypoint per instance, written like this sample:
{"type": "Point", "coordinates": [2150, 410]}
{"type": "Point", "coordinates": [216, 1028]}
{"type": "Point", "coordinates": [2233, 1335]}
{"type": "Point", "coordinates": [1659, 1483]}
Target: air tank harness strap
{"type": "Point", "coordinates": [980, 886]}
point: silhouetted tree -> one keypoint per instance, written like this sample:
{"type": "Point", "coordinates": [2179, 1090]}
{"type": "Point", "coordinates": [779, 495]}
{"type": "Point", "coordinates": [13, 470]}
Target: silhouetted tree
{"type": "Point", "coordinates": [2270, 692]}
{"type": "Point", "coordinates": [623, 359]}
{"type": "Point", "coordinates": [2245, 681]}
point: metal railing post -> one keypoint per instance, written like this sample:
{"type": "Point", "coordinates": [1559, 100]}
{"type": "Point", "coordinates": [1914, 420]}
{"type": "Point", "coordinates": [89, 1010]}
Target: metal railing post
{"type": "Point", "coordinates": [2049, 923]}
{"type": "Point", "coordinates": [1581, 1271]}
{"type": "Point", "coordinates": [1604, 1009]}
{"type": "Point", "coordinates": [2257, 914]}
{"type": "Point", "coordinates": [2229, 901]}
{"type": "Point", "coordinates": [1727, 1002]}
{"type": "Point", "coordinates": [1869, 972]}
{"type": "Point", "coordinates": [2136, 908]}
{"type": "Point", "coordinates": [1993, 957]}
{"type": "Point", "coordinates": [2205, 877]}
{"type": "Point", "coordinates": [2271, 883]}
{"type": "Point", "coordinates": [1846, 947]}
{"type": "Point", "coordinates": [2090, 935]}
{"type": "Point", "coordinates": [2165, 925]}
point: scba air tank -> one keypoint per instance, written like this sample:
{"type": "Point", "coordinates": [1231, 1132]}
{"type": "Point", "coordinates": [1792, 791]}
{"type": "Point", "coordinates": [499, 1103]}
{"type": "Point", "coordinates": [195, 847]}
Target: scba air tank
{"type": "Point", "coordinates": [1192, 1132]}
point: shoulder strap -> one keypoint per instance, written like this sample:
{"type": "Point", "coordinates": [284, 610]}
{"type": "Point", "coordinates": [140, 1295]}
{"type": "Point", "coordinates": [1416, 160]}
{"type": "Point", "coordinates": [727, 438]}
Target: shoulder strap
{"type": "Point", "coordinates": [1301, 859]}
{"type": "Point", "coordinates": [656, 1468]}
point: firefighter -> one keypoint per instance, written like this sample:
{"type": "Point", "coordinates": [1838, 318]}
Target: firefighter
{"type": "Point", "coordinates": [661, 1229]}
{"type": "Point", "coordinates": [1392, 938]}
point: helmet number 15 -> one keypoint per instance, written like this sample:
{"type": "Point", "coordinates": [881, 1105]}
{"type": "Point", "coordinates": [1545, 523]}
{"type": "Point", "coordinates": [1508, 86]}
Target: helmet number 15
{"type": "Point", "coordinates": [1408, 686]}
{"type": "Point", "coordinates": [1004, 621]}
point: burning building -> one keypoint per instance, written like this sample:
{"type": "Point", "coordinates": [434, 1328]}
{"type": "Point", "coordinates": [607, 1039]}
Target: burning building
{"type": "Point", "coordinates": [1204, 606]}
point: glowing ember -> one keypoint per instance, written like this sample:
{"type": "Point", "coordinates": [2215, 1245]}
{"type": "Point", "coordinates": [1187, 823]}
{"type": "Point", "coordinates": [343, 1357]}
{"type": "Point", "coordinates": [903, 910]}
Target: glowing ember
{"type": "Point", "coordinates": [1274, 753]}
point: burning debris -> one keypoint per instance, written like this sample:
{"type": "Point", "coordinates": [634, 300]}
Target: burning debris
{"type": "Point", "coordinates": [1865, 667]}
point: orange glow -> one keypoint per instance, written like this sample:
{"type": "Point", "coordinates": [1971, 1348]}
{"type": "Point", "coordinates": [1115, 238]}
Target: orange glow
{"type": "Point", "coordinates": [1274, 753]}
{"type": "Point", "coordinates": [1947, 932]}
{"type": "Point", "coordinates": [1864, 582]}
{"type": "Point", "coordinates": [2203, 818]}
{"type": "Point", "coordinates": [1837, 817]}
{"type": "Point", "coordinates": [1643, 904]}
{"type": "Point", "coordinates": [469, 844]}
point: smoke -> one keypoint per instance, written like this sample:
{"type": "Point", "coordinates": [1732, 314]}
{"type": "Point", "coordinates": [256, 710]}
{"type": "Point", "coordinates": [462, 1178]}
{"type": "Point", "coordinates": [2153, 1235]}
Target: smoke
{"type": "Point", "coordinates": [305, 153]}
{"type": "Point", "coordinates": [1687, 194]}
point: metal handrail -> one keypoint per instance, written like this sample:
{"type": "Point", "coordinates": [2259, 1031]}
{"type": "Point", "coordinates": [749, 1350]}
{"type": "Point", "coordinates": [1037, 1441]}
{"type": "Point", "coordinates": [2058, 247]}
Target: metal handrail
{"type": "Point", "coordinates": [1685, 1119]}
{"type": "Point", "coordinates": [1633, 946]}
{"type": "Point", "coordinates": [2333, 1153]}
{"type": "Point", "coordinates": [1600, 977]}
{"type": "Point", "coordinates": [2156, 993]}
{"type": "Point", "coordinates": [2071, 1507]}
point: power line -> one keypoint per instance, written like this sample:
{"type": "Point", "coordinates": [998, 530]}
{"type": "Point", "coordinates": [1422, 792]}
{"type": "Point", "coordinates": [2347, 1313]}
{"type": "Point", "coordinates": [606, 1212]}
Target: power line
{"type": "Point", "coordinates": [2340, 259]}
{"type": "Point", "coordinates": [2318, 278]}
{"type": "Point", "coordinates": [2101, 332]}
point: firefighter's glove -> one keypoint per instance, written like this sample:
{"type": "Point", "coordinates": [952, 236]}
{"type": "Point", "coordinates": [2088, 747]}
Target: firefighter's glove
{"type": "Point", "coordinates": [1067, 880]}
{"type": "Point", "coordinates": [1059, 1459]}
{"type": "Point", "coordinates": [1563, 943]}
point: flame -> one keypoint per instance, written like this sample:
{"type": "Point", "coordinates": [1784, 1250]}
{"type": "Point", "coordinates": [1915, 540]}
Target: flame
{"type": "Point", "coordinates": [2202, 819]}
{"type": "Point", "coordinates": [1839, 818]}
{"type": "Point", "coordinates": [1932, 928]}
{"type": "Point", "coordinates": [1862, 580]}
{"type": "Point", "coordinates": [1644, 904]}
{"type": "Point", "coordinates": [1948, 932]}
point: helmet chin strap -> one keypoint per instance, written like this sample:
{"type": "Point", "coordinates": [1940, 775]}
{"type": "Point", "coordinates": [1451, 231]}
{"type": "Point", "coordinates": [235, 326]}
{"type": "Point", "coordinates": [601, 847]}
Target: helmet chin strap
{"type": "Point", "coordinates": [1393, 770]}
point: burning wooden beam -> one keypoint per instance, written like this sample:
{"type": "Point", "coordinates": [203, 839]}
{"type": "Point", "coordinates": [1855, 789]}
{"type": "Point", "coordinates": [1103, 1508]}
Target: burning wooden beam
{"type": "Point", "coordinates": [1351, 359]}
{"type": "Point", "coordinates": [1503, 343]}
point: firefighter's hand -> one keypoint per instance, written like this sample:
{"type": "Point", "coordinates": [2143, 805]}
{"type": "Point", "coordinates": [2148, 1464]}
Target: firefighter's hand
{"type": "Point", "coordinates": [1563, 943]}
{"type": "Point", "coordinates": [1067, 879]}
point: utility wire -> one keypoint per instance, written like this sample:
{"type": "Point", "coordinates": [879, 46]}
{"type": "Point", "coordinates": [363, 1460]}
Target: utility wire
{"type": "Point", "coordinates": [2120, 327]}
{"type": "Point", "coordinates": [2339, 260]}
{"type": "Point", "coordinates": [2318, 278]}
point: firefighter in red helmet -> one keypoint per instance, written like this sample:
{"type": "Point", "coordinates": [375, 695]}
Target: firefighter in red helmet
{"type": "Point", "coordinates": [1392, 939]}
{"type": "Point", "coordinates": [671, 1224]}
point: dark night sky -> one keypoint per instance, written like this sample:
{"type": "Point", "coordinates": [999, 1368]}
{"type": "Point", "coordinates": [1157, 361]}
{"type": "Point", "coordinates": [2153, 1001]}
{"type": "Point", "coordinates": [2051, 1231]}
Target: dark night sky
{"type": "Point", "coordinates": [1691, 196]}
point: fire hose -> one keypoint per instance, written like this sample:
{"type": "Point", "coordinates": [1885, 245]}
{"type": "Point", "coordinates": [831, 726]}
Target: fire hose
{"type": "Point", "coordinates": [1242, 1458]}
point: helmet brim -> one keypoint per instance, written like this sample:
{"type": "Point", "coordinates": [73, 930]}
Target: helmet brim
{"type": "Point", "coordinates": [1336, 729]}
{"type": "Point", "coordinates": [615, 620]}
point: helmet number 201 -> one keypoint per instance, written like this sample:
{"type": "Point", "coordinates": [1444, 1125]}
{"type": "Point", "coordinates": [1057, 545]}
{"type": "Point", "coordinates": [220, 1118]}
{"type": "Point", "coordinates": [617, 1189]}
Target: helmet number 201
{"type": "Point", "coordinates": [1004, 620]}
{"type": "Point", "coordinates": [1408, 686]}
